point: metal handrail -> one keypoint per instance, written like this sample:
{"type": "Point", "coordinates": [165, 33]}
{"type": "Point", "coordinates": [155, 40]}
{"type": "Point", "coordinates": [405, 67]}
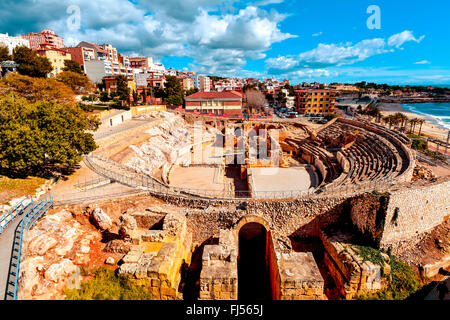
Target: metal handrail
{"type": "Point", "coordinates": [8, 217]}
{"type": "Point", "coordinates": [32, 214]}
{"type": "Point", "coordinates": [144, 182]}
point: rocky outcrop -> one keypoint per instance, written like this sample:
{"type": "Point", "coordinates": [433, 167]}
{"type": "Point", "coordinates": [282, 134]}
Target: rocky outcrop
{"type": "Point", "coordinates": [100, 219]}
{"type": "Point", "coordinates": [52, 249]}
{"type": "Point", "coordinates": [127, 225]}
{"type": "Point", "coordinates": [58, 271]}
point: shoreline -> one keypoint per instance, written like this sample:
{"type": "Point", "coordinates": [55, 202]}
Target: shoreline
{"type": "Point", "coordinates": [429, 128]}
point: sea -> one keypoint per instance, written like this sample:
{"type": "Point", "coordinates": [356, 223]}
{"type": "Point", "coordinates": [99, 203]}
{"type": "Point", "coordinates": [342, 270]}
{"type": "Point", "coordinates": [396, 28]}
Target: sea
{"type": "Point", "coordinates": [435, 112]}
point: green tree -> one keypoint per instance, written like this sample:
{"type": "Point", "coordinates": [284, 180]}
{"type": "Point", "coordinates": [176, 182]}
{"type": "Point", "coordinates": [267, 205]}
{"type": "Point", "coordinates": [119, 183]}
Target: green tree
{"type": "Point", "coordinates": [73, 66]}
{"type": "Point", "coordinates": [191, 91]}
{"type": "Point", "coordinates": [281, 98]}
{"type": "Point", "coordinates": [135, 98]}
{"type": "Point", "coordinates": [104, 97]}
{"type": "Point", "coordinates": [79, 83]}
{"type": "Point", "coordinates": [173, 92]}
{"type": "Point", "coordinates": [4, 53]}
{"type": "Point", "coordinates": [30, 63]}
{"type": "Point", "coordinates": [144, 96]}
{"type": "Point", "coordinates": [123, 91]}
{"type": "Point", "coordinates": [40, 135]}
{"type": "Point", "coordinates": [37, 89]}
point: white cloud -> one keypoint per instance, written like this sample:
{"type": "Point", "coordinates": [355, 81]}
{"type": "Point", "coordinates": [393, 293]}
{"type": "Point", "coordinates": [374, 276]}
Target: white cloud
{"type": "Point", "coordinates": [422, 62]}
{"type": "Point", "coordinates": [397, 40]}
{"type": "Point", "coordinates": [212, 32]}
{"type": "Point", "coordinates": [329, 55]}
{"type": "Point", "coordinates": [317, 34]}
{"type": "Point", "coordinates": [262, 3]}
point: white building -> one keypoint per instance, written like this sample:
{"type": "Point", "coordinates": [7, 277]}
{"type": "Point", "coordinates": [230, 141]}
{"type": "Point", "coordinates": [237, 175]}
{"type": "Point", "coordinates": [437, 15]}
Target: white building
{"type": "Point", "coordinates": [205, 84]}
{"type": "Point", "coordinates": [13, 42]}
{"type": "Point", "coordinates": [97, 69]}
{"type": "Point", "coordinates": [171, 72]}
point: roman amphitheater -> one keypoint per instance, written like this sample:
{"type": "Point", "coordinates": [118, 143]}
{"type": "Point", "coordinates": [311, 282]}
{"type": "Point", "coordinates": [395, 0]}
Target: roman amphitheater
{"type": "Point", "coordinates": [264, 209]}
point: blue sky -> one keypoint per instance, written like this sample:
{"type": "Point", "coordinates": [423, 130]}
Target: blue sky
{"type": "Point", "coordinates": [302, 40]}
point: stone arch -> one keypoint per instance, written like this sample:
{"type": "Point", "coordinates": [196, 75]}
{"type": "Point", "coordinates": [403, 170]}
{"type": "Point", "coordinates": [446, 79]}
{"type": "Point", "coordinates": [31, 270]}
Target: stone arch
{"type": "Point", "coordinates": [256, 259]}
{"type": "Point", "coordinates": [252, 218]}
{"type": "Point", "coordinates": [249, 219]}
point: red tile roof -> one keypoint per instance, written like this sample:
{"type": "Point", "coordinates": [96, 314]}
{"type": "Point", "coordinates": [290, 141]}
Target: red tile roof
{"type": "Point", "coordinates": [214, 95]}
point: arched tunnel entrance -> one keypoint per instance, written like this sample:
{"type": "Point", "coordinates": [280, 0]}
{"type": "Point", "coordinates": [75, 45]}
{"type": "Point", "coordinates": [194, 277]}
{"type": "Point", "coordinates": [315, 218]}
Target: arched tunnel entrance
{"type": "Point", "coordinates": [254, 263]}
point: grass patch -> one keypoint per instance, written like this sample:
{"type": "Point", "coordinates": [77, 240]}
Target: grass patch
{"type": "Point", "coordinates": [403, 281]}
{"type": "Point", "coordinates": [13, 188]}
{"type": "Point", "coordinates": [370, 254]}
{"type": "Point", "coordinates": [106, 285]}
{"type": "Point", "coordinates": [421, 145]}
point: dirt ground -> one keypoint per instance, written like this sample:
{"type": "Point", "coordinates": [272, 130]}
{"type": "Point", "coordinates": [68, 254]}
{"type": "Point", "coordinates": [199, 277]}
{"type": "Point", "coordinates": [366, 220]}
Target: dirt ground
{"type": "Point", "coordinates": [432, 247]}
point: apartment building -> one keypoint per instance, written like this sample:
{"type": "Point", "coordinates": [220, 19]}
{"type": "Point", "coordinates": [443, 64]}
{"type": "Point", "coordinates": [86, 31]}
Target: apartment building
{"type": "Point", "coordinates": [110, 83]}
{"type": "Point", "coordinates": [46, 37]}
{"type": "Point", "coordinates": [55, 56]}
{"type": "Point", "coordinates": [106, 62]}
{"type": "Point", "coordinates": [12, 42]}
{"type": "Point", "coordinates": [228, 84]}
{"type": "Point", "coordinates": [315, 101]}
{"type": "Point", "coordinates": [186, 82]}
{"type": "Point", "coordinates": [141, 62]}
{"type": "Point", "coordinates": [81, 54]}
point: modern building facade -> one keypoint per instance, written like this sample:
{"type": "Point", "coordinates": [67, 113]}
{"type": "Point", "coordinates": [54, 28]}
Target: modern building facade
{"type": "Point", "coordinates": [315, 101]}
{"type": "Point", "coordinates": [12, 42]}
{"type": "Point", "coordinates": [46, 37]}
{"type": "Point", "coordinates": [218, 103]}
{"type": "Point", "coordinates": [81, 54]}
{"type": "Point", "coordinates": [102, 61]}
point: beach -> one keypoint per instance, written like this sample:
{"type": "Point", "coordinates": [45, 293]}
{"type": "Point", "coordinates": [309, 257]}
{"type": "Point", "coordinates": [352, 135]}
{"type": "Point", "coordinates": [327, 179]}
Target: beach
{"type": "Point", "coordinates": [429, 128]}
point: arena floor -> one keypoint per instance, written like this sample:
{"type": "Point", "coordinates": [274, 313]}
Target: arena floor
{"type": "Point", "coordinates": [280, 179]}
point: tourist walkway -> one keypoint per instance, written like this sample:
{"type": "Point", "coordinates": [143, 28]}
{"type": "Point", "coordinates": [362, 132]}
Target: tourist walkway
{"type": "Point", "coordinates": [128, 125]}
{"type": "Point", "coordinates": [6, 243]}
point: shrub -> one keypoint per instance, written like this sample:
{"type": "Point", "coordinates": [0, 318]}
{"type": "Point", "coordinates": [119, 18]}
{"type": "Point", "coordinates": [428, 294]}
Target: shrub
{"type": "Point", "coordinates": [403, 281]}
{"type": "Point", "coordinates": [106, 285]}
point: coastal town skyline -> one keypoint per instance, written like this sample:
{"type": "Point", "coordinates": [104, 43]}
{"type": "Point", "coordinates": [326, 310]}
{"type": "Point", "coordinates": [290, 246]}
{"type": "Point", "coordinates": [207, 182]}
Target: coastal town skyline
{"type": "Point", "coordinates": [296, 40]}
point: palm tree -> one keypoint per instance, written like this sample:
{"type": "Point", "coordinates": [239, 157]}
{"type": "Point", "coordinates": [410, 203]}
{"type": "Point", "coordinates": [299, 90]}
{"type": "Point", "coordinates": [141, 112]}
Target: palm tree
{"type": "Point", "coordinates": [421, 122]}
{"type": "Point", "coordinates": [413, 123]}
{"type": "Point", "coordinates": [386, 120]}
{"type": "Point", "coordinates": [404, 120]}
{"type": "Point", "coordinates": [396, 118]}
{"type": "Point", "coordinates": [391, 119]}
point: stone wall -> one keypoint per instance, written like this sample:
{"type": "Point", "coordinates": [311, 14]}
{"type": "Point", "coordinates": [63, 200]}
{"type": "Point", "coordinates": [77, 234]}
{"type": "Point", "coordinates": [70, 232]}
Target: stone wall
{"type": "Point", "coordinates": [414, 210]}
{"type": "Point", "coordinates": [218, 278]}
{"type": "Point", "coordinates": [300, 278]}
{"type": "Point", "coordinates": [158, 256]}
{"type": "Point", "coordinates": [286, 218]}
{"type": "Point", "coordinates": [402, 213]}
{"type": "Point", "coordinates": [351, 273]}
